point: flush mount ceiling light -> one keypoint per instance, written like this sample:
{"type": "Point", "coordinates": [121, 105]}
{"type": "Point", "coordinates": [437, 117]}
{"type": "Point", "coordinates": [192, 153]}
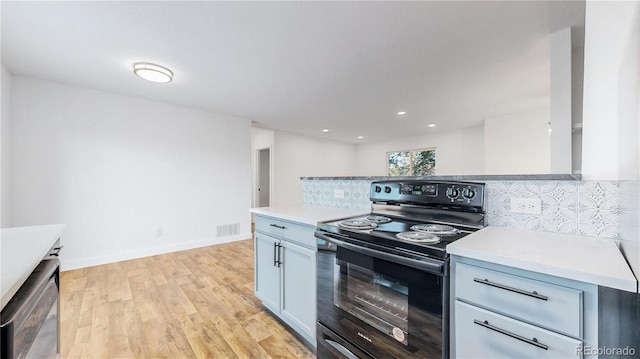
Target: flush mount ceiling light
{"type": "Point", "coordinates": [325, 130]}
{"type": "Point", "coordinates": [431, 125]}
{"type": "Point", "coordinates": [152, 72]}
{"type": "Point", "coordinates": [402, 113]}
{"type": "Point", "coordinates": [360, 137]}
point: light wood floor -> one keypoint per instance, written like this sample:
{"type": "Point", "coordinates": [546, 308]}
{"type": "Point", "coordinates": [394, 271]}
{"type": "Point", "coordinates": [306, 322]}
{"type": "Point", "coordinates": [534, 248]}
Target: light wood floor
{"type": "Point", "coordinates": [191, 304]}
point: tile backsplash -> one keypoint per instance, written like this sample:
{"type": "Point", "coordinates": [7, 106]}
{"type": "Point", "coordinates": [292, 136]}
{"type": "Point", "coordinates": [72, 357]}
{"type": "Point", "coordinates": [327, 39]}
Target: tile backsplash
{"type": "Point", "coordinates": [319, 192]}
{"type": "Point", "coordinates": [589, 208]}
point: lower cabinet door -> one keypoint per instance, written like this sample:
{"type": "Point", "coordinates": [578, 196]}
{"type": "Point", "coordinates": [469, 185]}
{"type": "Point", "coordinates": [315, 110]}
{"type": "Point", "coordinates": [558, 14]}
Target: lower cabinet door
{"type": "Point", "coordinates": [267, 273]}
{"type": "Point", "coordinates": [483, 334]}
{"type": "Point", "coordinates": [299, 287]}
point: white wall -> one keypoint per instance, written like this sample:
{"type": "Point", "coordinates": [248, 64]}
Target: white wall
{"type": "Point", "coordinates": [117, 169]}
{"type": "Point", "coordinates": [457, 152]}
{"type": "Point", "coordinates": [628, 142]}
{"type": "Point", "coordinates": [5, 120]}
{"type": "Point", "coordinates": [296, 156]}
{"type": "Point", "coordinates": [560, 101]}
{"type": "Point", "coordinates": [607, 63]}
{"type": "Point", "coordinates": [518, 144]}
{"type": "Point", "coordinates": [628, 102]}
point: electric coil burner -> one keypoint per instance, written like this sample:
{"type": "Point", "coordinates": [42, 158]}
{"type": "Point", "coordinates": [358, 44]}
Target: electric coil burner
{"type": "Point", "coordinates": [435, 229]}
{"type": "Point", "coordinates": [377, 219]}
{"type": "Point", "coordinates": [382, 279]}
{"type": "Point", "coordinates": [421, 237]}
{"type": "Point", "coordinates": [357, 223]}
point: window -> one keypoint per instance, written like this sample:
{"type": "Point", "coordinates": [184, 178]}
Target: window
{"type": "Point", "coordinates": [412, 163]}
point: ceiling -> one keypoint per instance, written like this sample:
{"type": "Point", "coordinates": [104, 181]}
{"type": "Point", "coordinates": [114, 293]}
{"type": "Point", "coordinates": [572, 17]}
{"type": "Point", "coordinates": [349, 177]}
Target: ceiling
{"type": "Point", "coordinates": [303, 66]}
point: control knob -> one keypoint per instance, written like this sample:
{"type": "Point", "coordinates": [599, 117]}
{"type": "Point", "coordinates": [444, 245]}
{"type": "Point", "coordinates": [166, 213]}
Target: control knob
{"type": "Point", "coordinates": [378, 189]}
{"type": "Point", "coordinates": [468, 193]}
{"type": "Point", "coordinates": [387, 189]}
{"type": "Point", "coordinates": [452, 192]}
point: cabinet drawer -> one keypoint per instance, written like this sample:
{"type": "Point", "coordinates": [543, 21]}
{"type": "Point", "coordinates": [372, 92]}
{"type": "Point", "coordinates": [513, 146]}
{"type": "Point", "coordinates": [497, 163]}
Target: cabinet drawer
{"type": "Point", "coordinates": [290, 231]}
{"type": "Point", "coordinates": [483, 334]}
{"type": "Point", "coordinates": [272, 226]}
{"type": "Point", "coordinates": [551, 306]}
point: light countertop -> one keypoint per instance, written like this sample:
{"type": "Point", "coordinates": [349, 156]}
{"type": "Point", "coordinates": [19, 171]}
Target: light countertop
{"type": "Point", "coordinates": [581, 258]}
{"type": "Point", "coordinates": [22, 249]}
{"type": "Point", "coordinates": [311, 215]}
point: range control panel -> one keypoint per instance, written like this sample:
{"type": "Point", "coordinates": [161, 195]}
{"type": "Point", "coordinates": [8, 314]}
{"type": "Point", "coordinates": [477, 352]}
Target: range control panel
{"type": "Point", "coordinates": [462, 194]}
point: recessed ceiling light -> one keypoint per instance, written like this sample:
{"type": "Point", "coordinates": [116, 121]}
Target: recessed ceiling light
{"type": "Point", "coordinates": [402, 113]}
{"type": "Point", "coordinates": [431, 125]}
{"type": "Point", "coordinates": [325, 130]}
{"type": "Point", "coordinates": [360, 137]}
{"type": "Point", "coordinates": [152, 72]}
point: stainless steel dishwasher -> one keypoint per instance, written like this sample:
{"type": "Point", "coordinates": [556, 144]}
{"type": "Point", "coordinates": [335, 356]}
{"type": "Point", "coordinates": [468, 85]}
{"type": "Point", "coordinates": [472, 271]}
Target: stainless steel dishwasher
{"type": "Point", "coordinates": [30, 324]}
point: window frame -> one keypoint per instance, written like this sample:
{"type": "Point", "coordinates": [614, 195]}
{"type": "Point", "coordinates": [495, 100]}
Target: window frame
{"type": "Point", "coordinates": [412, 153]}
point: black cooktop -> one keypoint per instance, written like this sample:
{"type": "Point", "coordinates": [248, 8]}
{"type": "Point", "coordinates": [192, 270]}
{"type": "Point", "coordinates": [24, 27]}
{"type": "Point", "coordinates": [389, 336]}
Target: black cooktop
{"type": "Point", "coordinates": [385, 235]}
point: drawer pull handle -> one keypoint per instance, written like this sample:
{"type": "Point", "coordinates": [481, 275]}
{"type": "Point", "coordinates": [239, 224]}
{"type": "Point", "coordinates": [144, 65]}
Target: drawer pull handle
{"type": "Point", "coordinates": [533, 341]}
{"type": "Point", "coordinates": [533, 294]}
{"type": "Point", "coordinates": [277, 226]}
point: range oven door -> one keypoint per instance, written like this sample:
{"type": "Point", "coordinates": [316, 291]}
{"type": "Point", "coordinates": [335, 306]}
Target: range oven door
{"type": "Point", "coordinates": [379, 303]}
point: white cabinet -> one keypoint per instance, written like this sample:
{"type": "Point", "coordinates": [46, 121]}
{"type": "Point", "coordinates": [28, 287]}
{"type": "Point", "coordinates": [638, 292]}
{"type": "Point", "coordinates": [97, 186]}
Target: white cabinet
{"type": "Point", "coordinates": [543, 304]}
{"type": "Point", "coordinates": [298, 283]}
{"type": "Point", "coordinates": [502, 312]}
{"type": "Point", "coordinates": [285, 272]}
{"type": "Point", "coordinates": [267, 273]}
{"type": "Point", "coordinates": [490, 335]}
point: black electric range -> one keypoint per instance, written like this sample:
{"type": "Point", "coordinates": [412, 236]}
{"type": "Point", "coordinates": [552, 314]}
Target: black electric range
{"type": "Point", "coordinates": [383, 278]}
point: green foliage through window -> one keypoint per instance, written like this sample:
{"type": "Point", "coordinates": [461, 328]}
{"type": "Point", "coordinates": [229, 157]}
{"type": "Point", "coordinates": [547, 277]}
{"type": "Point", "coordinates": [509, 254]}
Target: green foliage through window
{"type": "Point", "coordinates": [412, 163]}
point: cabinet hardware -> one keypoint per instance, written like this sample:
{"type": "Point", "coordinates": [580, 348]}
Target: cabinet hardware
{"type": "Point", "coordinates": [279, 254]}
{"type": "Point", "coordinates": [56, 251]}
{"type": "Point", "coordinates": [277, 226]}
{"type": "Point", "coordinates": [533, 294]}
{"type": "Point", "coordinates": [533, 341]}
{"type": "Point", "coordinates": [275, 249]}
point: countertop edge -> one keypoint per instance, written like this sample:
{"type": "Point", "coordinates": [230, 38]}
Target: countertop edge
{"type": "Point", "coordinates": [309, 215]}
{"type": "Point", "coordinates": [56, 231]}
{"type": "Point", "coordinates": [628, 285]}
{"type": "Point", "coordinates": [522, 177]}
{"type": "Point", "coordinates": [622, 280]}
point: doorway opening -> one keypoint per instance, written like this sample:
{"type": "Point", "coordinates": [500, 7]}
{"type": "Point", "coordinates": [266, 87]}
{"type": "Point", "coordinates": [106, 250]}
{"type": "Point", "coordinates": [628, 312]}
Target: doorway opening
{"type": "Point", "coordinates": [263, 177]}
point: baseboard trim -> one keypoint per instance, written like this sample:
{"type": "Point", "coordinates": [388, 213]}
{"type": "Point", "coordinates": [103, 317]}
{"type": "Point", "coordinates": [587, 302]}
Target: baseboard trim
{"type": "Point", "coordinates": [119, 257]}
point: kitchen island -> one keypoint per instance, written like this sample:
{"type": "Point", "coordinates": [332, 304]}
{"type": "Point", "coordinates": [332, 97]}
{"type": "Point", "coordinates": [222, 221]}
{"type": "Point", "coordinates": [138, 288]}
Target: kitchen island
{"type": "Point", "coordinates": [285, 262]}
{"type": "Point", "coordinates": [22, 250]}
{"type": "Point", "coordinates": [532, 294]}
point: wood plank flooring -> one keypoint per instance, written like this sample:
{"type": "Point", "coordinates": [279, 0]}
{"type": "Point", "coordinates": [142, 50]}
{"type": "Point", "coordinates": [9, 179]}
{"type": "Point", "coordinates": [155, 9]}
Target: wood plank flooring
{"type": "Point", "coordinates": [197, 303]}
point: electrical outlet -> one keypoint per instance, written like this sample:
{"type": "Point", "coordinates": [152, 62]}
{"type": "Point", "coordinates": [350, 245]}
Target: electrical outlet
{"type": "Point", "coordinates": [526, 205]}
{"type": "Point", "coordinates": [338, 193]}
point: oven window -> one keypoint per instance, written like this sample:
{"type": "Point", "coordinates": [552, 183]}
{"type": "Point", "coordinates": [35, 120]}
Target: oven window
{"type": "Point", "coordinates": [379, 300]}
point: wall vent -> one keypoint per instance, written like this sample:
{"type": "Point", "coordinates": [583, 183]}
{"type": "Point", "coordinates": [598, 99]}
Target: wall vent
{"type": "Point", "coordinates": [226, 230]}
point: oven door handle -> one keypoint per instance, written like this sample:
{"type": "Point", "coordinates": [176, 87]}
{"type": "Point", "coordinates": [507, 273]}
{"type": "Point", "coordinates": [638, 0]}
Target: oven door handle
{"type": "Point", "coordinates": [426, 264]}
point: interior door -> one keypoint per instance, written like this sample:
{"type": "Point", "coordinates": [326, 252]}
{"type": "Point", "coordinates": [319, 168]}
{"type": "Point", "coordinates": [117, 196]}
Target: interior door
{"type": "Point", "coordinates": [263, 177]}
